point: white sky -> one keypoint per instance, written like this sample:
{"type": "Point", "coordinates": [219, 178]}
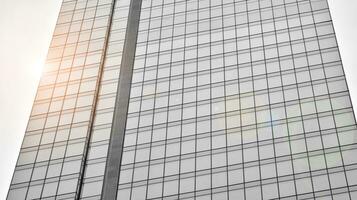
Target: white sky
{"type": "Point", "coordinates": [25, 32]}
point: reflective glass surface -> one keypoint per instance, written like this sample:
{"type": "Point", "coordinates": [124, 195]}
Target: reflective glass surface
{"type": "Point", "coordinates": [229, 99]}
{"type": "Point", "coordinates": [238, 100]}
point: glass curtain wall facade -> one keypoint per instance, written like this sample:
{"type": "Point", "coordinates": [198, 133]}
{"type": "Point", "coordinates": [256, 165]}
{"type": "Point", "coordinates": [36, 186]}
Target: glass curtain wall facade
{"type": "Point", "coordinates": [63, 154]}
{"type": "Point", "coordinates": [198, 99]}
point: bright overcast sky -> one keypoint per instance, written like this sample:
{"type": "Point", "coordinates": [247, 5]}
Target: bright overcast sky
{"type": "Point", "coordinates": [26, 27]}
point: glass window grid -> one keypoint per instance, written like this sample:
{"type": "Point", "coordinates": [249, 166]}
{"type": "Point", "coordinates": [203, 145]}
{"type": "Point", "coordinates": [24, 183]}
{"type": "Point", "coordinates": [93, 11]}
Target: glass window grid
{"type": "Point", "coordinates": [59, 145]}
{"type": "Point", "coordinates": [104, 111]}
{"type": "Point", "coordinates": [323, 103]}
{"type": "Point", "coordinates": [151, 95]}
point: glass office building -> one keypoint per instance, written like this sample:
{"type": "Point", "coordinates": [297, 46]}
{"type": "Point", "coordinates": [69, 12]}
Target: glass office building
{"type": "Point", "coordinates": [190, 99]}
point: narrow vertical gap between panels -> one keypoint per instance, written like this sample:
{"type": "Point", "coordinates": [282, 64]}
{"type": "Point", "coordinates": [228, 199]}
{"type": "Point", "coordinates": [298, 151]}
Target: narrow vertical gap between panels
{"type": "Point", "coordinates": [112, 170]}
{"type": "Point", "coordinates": [97, 89]}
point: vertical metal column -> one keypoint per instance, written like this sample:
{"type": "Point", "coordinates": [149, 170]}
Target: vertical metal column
{"type": "Point", "coordinates": [112, 171]}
